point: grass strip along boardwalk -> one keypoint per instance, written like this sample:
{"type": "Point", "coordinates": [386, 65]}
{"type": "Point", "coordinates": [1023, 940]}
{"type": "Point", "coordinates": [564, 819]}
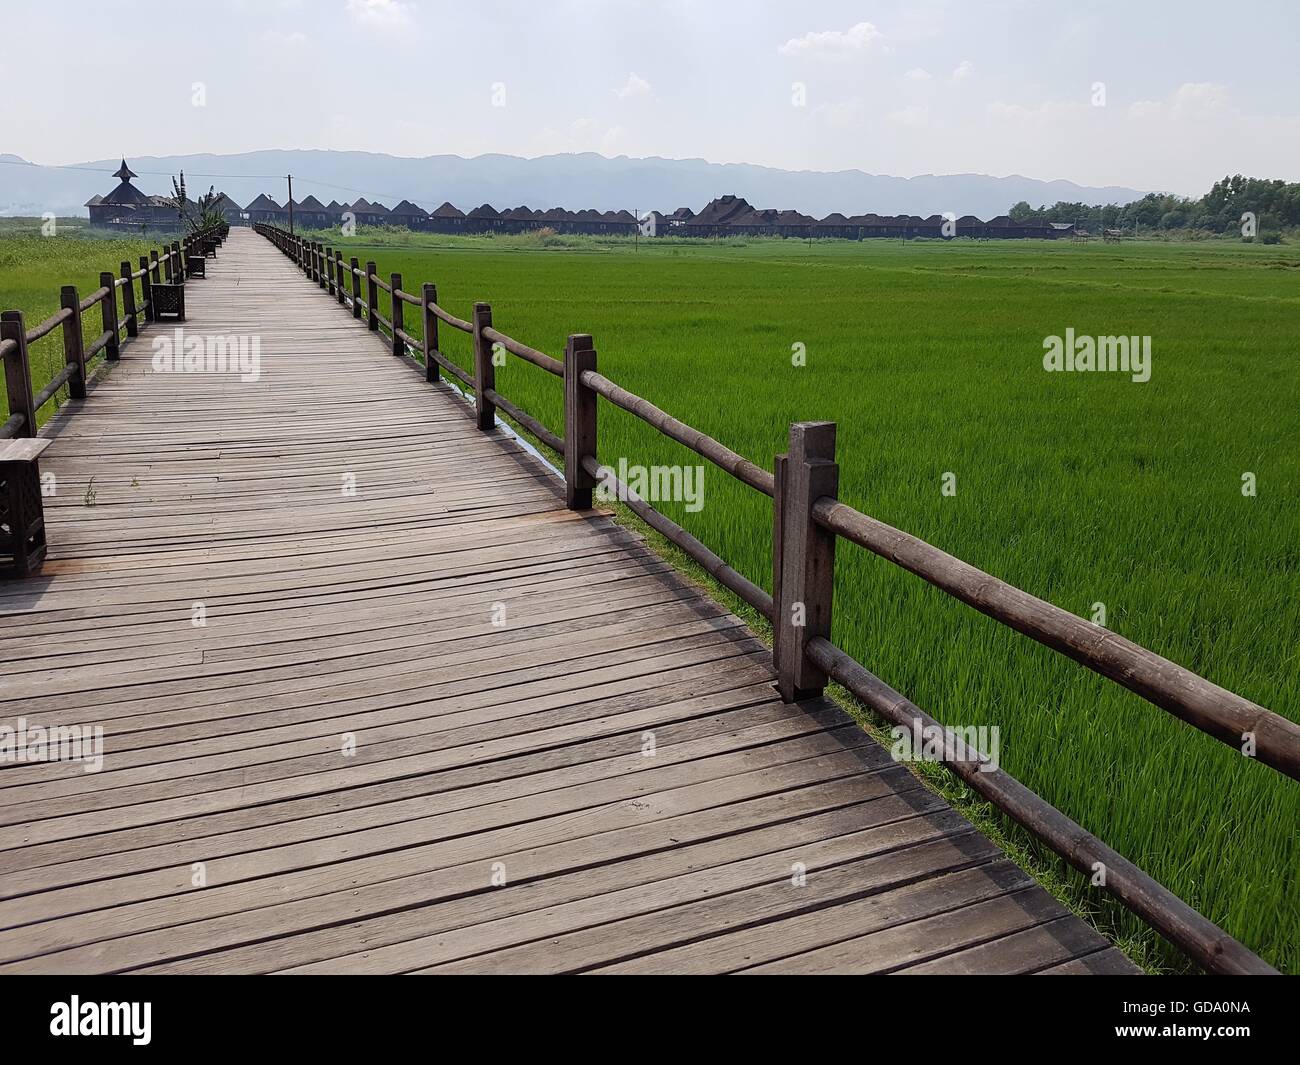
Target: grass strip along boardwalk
{"type": "Point", "coordinates": [432, 721]}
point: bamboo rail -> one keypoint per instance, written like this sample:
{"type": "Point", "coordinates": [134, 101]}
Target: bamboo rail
{"type": "Point", "coordinates": [808, 519]}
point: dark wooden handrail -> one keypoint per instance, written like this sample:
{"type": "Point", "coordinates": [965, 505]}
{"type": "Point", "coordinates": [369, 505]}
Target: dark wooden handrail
{"type": "Point", "coordinates": [808, 518]}
{"type": "Point", "coordinates": [23, 402]}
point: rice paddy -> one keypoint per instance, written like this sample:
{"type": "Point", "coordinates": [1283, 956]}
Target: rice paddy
{"type": "Point", "coordinates": [1088, 489]}
{"type": "Point", "coordinates": [33, 268]}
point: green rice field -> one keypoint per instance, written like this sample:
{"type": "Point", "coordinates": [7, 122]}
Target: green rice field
{"type": "Point", "coordinates": [1081, 488]}
{"type": "Point", "coordinates": [33, 268]}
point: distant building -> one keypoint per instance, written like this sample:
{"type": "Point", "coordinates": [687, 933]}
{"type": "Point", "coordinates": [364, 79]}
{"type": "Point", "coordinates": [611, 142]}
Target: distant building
{"type": "Point", "coordinates": [408, 214]}
{"type": "Point", "coordinates": [729, 215]}
{"type": "Point", "coordinates": [447, 219]}
{"type": "Point", "coordinates": [127, 205]}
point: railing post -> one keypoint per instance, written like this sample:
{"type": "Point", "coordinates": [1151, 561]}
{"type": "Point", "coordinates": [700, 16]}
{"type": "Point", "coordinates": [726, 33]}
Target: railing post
{"type": "Point", "coordinates": [153, 261]}
{"type": "Point", "coordinates": [323, 265]}
{"type": "Point", "coordinates": [145, 294]}
{"type": "Point", "coordinates": [372, 297]}
{"type": "Point", "coordinates": [803, 556]}
{"type": "Point", "coordinates": [178, 265]}
{"type": "Point", "coordinates": [580, 406]}
{"type": "Point", "coordinates": [485, 374]}
{"type": "Point", "coordinates": [356, 288]}
{"type": "Point", "coordinates": [327, 283]}
{"type": "Point", "coordinates": [167, 266]}
{"type": "Point", "coordinates": [74, 343]}
{"type": "Point", "coordinates": [338, 277]}
{"type": "Point", "coordinates": [317, 263]}
{"type": "Point", "coordinates": [128, 302]}
{"type": "Point", "coordinates": [395, 283]}
{"type": "Point", "coordinates": [18, 373]}
{"type": "Point", "coordinates": [428, 297]}
{"type": "Point", "coordinates": [109, 306]}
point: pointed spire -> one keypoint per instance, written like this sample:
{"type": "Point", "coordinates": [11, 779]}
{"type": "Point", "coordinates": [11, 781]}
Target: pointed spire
{"type": "Point", "coordinates": [124, 172]}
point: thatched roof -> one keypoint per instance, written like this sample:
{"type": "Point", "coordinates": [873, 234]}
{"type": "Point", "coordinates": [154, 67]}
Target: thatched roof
{"type": "Point", "coordinates": [407, 209]}
{"type": "Point", "coordinates": [264, 203]}
{"type": "Point", "coordinates": [312, 204]}
{"type": "Point", "coordinates": [721, 210]}
{"type": "Point", "coordinates": [485, 210]}
{"type": "Point", "coordinates": [125, 195]}
{"type": "Point", "coordinates": [447, 210]}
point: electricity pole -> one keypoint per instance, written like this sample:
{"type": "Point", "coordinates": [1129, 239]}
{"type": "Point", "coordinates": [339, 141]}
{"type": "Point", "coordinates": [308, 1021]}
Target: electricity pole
{"type": "Point", "coordinates": [291, 204]}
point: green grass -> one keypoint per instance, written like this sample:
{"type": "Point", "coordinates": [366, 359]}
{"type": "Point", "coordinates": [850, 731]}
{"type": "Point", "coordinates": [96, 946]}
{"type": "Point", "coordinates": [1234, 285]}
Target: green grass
{"type": "Point", "coordinates": [1080, 488]}
{"type": "Point", "coordinates": [33, 268]}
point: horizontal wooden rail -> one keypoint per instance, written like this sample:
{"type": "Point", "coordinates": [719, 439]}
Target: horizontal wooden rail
{"type": "Point", "coordinates": [712, 563]}
{"type": "Point", "coordinates": [537, 358]}
{"type": "Point", "coordinates": [406, 297]}
{"type": "Point", "coordinates": [720, 455]}
{"type": "Point", "coordinates": [49, 325]}
{"type": "Point", "coordinates": [119, 326]}
{"type": "Point", "coordinates": [808, 520]}
{"type": "Point", "coordinates": [451, 319]}
{"type": "Point", "coordinates": [94, 298]}
{"type": "Point", "coordinates": [378, 281]}
{"type": "Point", "coordinates": [56, 382]}
{"type": "Point", "coordinates": [1207, 944]}
{"type": "Point", "coordinates": [463, 376]}
{"type": "Point", "coordinates": [550, 439]}
{"type": "Point", "coordinates": [1201, 703]}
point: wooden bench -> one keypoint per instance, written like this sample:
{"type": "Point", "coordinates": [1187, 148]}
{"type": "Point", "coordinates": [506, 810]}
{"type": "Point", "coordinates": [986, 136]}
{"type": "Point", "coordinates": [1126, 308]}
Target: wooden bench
{"type": "Point", "coordinates": [22, 514]}
{"type": "Point", "coordinates": [168, 300]}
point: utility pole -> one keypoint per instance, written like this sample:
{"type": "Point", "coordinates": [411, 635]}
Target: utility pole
{"type": "Point", "coordinates": [291, 204]}
{"type": "Point", "coordinates": [636, 237]}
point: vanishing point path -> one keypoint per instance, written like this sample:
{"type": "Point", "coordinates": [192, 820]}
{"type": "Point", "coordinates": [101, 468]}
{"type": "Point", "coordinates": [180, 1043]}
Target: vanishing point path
{"type": "Point", "coordinates": [431, 720]}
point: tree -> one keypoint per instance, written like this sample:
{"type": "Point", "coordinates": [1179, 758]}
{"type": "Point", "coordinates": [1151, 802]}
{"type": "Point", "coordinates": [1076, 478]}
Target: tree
{"type": "Point", "coordinates": [201, 215]}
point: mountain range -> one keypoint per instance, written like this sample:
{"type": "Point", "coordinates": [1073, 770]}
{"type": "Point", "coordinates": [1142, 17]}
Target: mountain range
{"type": "Point", "coordinates": [573, 181]}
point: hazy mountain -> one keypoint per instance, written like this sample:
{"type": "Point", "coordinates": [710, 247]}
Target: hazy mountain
{"type": "Point", "coordinates": [572, 181]}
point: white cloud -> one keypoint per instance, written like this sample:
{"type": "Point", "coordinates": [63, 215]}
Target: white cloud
{"type": "Point", "coordinates": [635, 86]}
{"type": "Point", "coordinates": [833, 44]}
{"type": "Point", "coordinates": [916, 115]}
{"type": "Point", "coordinates": [964, 70]}
{"type": "Point", "coordinates": [917, 74]}
{"type": "Point", "coordinates": [1195, 101]}
{"type": "Point", "coordinates": [380, 14]}
{"type": "Point", "coordinates": [1199, 99]}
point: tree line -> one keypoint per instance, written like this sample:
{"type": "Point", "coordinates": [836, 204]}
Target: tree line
{"type": "Point", "coordinates": [1238, 206]}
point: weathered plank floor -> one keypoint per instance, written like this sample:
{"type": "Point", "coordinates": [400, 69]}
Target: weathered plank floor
{"type": "Point", "coordinates": [229, 829]}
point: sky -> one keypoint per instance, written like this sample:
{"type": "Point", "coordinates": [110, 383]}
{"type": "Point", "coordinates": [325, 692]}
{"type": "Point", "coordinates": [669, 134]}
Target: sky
{"type": "Point", "coordinates": [1151, 94]}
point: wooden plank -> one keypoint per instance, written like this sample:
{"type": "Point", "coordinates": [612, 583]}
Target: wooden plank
{"type": "Point", "coordinates": [644, 787]}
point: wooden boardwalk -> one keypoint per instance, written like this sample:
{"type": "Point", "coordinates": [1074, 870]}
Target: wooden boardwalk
{"type": "Point", "coordinates": [352, 766]}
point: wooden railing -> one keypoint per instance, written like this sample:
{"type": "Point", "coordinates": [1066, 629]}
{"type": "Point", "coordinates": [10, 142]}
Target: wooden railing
{"type": "Point", "coordinates": [117, 326]}
{"type": "Point", "coordinates": [808, 520]}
